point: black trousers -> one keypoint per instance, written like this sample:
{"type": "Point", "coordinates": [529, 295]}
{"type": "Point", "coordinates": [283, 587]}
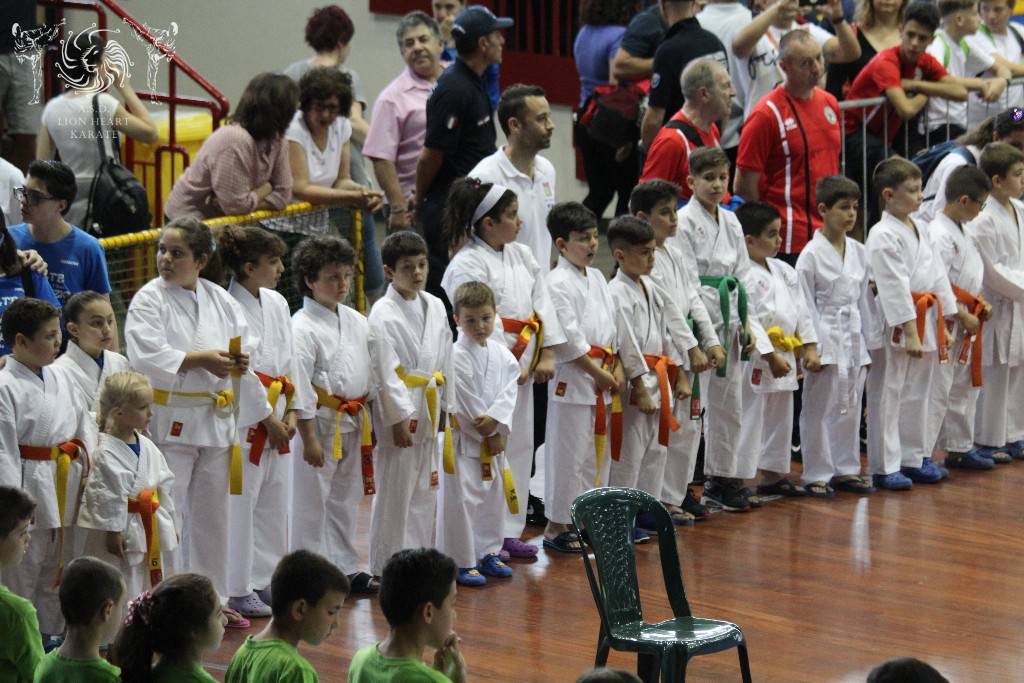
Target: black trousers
{"type": "Point", "coordinates": [606, 177]}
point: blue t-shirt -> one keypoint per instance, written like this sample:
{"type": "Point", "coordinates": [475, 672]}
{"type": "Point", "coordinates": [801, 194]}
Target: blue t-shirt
{"type": "Point", "coordinates": [76, 263]}
{"type": "Point", "coordinates": [490, 75]}
{"type": "Point", "coordinates": [594, 49]}
{"type": "Point", "coordinates": [12, 287]}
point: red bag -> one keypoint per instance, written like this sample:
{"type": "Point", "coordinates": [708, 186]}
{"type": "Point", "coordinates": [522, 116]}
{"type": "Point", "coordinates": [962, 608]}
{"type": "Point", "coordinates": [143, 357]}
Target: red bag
{"type": "Point", "coordinates": [612, 114]}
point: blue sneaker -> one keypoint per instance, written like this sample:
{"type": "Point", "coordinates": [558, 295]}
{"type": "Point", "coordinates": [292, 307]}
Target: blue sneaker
{"type": "Point", "coordinates": [971, 460]}
{"type": "Point", "coordinates": [892, 482]}
{"type": "Point", "coordinates": [640, 536]}
{"type": "Point", "coordinates": [491, 565]}
{"type": "Point", "coordinates": [470, 577]}
{"type": "Point", "coordinates": [1015, 449]}
{"type": "Point", "coordinates": [999, 456]}
{"type": "Point", "coordinates": [941, 470]}
{"type": "Point", "coordinates": [924, 474]}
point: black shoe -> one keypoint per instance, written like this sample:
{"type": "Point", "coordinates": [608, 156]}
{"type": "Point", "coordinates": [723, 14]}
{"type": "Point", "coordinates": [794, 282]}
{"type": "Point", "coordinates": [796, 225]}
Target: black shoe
{"type": "Point", "coordinates": [794, 448]}
{"type": "Point", "coordinates": [535, 512]}
{"type": "Point", "coordinates": [725, 494]}
{"type": "Point", "coordinates": [694, 506]}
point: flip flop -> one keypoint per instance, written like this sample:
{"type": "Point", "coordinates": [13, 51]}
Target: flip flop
{"type": "Point", "coordinates": [565, 542]}
{"type": "Point", "coordinates": [820, 489]}
{"type": "Point", "coordinates": [852, 483]}
{"type": "Point", "coordinates": [679, 516]}
{"type": "Point", "coordinates": [362, 583]}
{"type": "Point", "coordinates": [782, 487]}
{"type": "Point", "coordinates": [235, 620]}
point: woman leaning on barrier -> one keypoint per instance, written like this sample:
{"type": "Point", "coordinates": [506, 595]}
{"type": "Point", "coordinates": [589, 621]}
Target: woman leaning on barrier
{"type": "Point", "coordinates": [877, 23]}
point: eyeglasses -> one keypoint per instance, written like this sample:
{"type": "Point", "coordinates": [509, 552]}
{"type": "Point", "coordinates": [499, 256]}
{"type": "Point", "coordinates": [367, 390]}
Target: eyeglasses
{"type": "Point", "coordinates": [32, 197]}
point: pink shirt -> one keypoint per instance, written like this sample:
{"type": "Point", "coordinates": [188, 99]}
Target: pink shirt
{"type": "Point", "coordinates": [225, 173]}
{"type": "Point", "coordinates": [399, 126]}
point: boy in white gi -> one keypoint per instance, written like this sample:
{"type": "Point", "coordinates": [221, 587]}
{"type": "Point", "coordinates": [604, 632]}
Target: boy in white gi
{"type": "Point", "coordinates": [41, 450]}
{"type": "Point", "coordinates": [349, 368]}
{"type": "Point", "coordinates": [653, 360]}
{"type": "Point", "coordinates": [999, 424]}
{"type": "Point", "coordinates": [470, 521]}
{"type": "Point", "coordinates": [655, 202]}
{"type": "Point", "coordinates": [713, 238]}
{"type": "Point", "coordinates": [415, 325]}
{"type": "Point", "coordinates": [769, 379]}
{"type": "Point", "coordinates": [913, 297]}
{"type": "Point", "coordinates": [584, 415]}
{"type": "Point", "coordinates": [956, 384]}
{"type": "Point", "coordinates": [833, 272]}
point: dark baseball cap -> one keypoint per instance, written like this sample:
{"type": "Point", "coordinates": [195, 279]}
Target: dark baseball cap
{"type": "Point", "coordinates": [477, 21]}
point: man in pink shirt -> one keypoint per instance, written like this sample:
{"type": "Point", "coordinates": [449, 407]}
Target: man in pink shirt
{"type": "Point", "coordinates": [399, 123]}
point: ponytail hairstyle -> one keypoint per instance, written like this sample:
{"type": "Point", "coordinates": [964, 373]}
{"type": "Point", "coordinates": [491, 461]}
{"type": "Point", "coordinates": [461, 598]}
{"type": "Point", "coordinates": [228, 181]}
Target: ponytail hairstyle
{"type": "Point", "coordinates": [75, 306]}
{"type": "Point", "coordinates": [117, 391]}
{"type": "Point", "coordinates": [241, 244]}
{"type": "Point", "coordinates": [10, 262]}
{"type": "Point", "coordinates": [166, 621]}
{"type": "Point", "coordinates": [469, 202]}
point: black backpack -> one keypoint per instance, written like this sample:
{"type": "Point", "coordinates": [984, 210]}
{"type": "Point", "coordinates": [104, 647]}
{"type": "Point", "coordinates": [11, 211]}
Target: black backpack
{"type": "Point", "coordinates": [118, 203]}
{"type": "Point", "coordinates": [928, 159]}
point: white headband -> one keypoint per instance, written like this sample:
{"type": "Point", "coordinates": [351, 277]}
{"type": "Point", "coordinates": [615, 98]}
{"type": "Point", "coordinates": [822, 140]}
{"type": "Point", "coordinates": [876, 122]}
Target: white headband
{"type": "Point", "coordinates": [487, 203]}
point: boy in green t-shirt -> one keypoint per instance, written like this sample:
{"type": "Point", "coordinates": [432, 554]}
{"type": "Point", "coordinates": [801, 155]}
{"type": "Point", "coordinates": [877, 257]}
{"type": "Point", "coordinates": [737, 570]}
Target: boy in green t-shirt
{"type": "Point", "coordinates": [417, 596]}
{"type": "Point", "coordinates": [306, 594]}
{"type": "Point", "coordinates": [21, 647]}
{"type": "Point", "coordinates": [92, 595]}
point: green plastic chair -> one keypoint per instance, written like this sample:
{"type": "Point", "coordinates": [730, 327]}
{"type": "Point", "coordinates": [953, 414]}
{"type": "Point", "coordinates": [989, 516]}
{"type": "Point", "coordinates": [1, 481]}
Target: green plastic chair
{"type": "Point", "coordinates": [604, 518]}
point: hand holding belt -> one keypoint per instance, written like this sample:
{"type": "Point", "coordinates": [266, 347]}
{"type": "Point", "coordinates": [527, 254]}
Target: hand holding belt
{"type": "Point", "coordinates": [351, 407]}
{"type": "Point", "coordinates": [257, 437]}
{"type": "Point", "coordinates": [146, 505]}
{"type": "Point", "coordinates": [667, 372]}
{"type": "Point", "coordinates": [62, 454]}
{"type": "Point", "coordinates": [782, 341]}
{"type": "Point", "coordinates": [429, 384]}
{"type": "Point", "coordinates": [725, 285]}
{"type": "Point", "coordinates": [976, 307]}
{"type": "Point", "coordinates": [606, 357]}
{"type": "Point", "coordinates": [525, 329]}
{"type": "Point", "coordinates": [923, 301]}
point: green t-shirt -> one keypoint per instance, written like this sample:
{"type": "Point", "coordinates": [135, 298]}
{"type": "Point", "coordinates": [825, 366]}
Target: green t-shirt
{"type": "Point", "coordinates": [181, 674]}
{"type": "Point", "coordinates": [21, 646]}
{"type": "Point", "coordinates": [56, 668]}
{"type": "Point", "coordinates": [269, 661]}
{"type": "Point", "coordinates": [370, 666]}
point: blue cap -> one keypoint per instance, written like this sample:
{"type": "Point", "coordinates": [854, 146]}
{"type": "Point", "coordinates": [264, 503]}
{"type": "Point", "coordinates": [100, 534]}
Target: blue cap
{"type": "Point", "coordinates": [476, 21]}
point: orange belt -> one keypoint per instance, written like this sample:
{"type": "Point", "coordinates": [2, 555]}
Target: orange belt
{"type": "Point", "coordinates": [146, 506]}
{"type": "Point", "coordinates": [973, 346]}
{"type": "Point", "coordinates": [525, 329]}
{"type": "Point", "coordinates": [924, 301]}
{"type": "Point", "coordinates": [257, 436]}
{"type": "Point", "coordinates": [607, 360]}
{"type": "Point", "coordinates": [63, 454]}
{"type": "Point", "coordinates": [352, 407]}
{"type": "Point", "coordinates": [666, 371]}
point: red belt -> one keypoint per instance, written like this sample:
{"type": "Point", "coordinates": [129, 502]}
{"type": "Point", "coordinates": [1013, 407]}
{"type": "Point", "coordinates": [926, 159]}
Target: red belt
{"type": "Point", "coordinates": [257, 436]}
{"type": "Point", "coordinates": [667, 372]}
{"type": "Point", "coordinates": [924, 301]}
{"type": "Point", "coordinates": [146, 506]}
{"type": "Point", "coordinates": [525, 329]}
{"type": "Point", "coordinates": [973, 346]}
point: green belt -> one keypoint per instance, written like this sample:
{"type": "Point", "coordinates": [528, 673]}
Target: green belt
{"type": "Point", "coordinates": [695, 384]}
{"type": "Point", "coordinates": [725, 284]}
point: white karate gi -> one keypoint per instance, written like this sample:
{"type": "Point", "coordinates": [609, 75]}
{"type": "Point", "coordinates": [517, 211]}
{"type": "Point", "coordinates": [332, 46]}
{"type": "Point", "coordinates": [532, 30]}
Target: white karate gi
{"type": "Point", "coordinates": [645, 313]}
{"type": "Point", "coordinates": [164, 323]}
{"type": "Point", "coordinates": [258, 519]}
{"type": "Point", "coordinates": [118, 474]}
{"type": "Point", "coordinates": [839, 300]}
{"type": "Point", "coordinates": [404, 508]}
{"type": "Point", "coordinates": [520, 289]}
{"type": "Point", "coordinates": [671, 273]}
{"type": "Point", "coordinates": [716, 248]}
{"type": "Point", "coordinates": [41, 412]}
{"type": "Point", "coordinates": [776, 301]}
{"type": "Point", "coordinates": [588, 317]}
{"type": "Point", "coordinates": [89, 377]}
{"type": "Point", "coordinates": [339, 352]}
{"type": "Point", "coordinates": [899, 386]}
{"type": "Point", "coordinates": [471, 516]}
{"type": "Point", "coordinates": [998, 236]}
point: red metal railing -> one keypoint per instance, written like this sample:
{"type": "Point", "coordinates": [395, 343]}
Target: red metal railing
{"type": "Point", "coordinates": [216, 103]}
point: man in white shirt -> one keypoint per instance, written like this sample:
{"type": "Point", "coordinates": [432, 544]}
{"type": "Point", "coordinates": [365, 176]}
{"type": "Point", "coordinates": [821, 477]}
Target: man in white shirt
{"type": "Point", "coordinates": [724, 18]}
{"type": "Point", "coordinates": [1006, 39]}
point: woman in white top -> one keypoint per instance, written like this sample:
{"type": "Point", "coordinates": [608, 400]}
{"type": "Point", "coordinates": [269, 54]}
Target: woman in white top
{"type": "Point", "coordinates": [67, 121]}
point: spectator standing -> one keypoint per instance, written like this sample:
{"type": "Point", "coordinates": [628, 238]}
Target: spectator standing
{"type": "Point", "coordinates": [724, 18]}
{"type": "Point", "coordinates": [609, 171]}
{"type": "Point", "coordinates": [877, 24]}
{"type": "Point", "coordinates": [1007, 39]}
{"type": "Point", "coordinates": [11, 177]}
{"type": "Point", "coordinates": [16, 83]}
{"type": "Point", "coordinates": [399, 122]}
{"type": "Point", "coordinates": [634, 60]}
{"type": "Point", "coordinates": [445, 12]}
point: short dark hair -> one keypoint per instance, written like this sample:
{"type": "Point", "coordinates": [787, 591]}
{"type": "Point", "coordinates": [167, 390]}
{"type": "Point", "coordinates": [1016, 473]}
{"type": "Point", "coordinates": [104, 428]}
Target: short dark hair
{"type": "Point", "coordinates": [241, 244]}
{"type": "Point", "coordinates": [705, 158]}
{"type": "Point", "coordinates": [85, 585]}
{"type": "Point", "coordinates": [313, 253]}
{"type": "Point", "coordinates": [567, 217]}
{"type": "Point", "coordinates": [328, 26]}
{"type": "Point", "coordinates": [400, 244]}
{"type": "Point", "coordinates": [321, 84]}
{"type": "Point", "coordinates": [304, 575]}
{"type": "Point", "coordinates": [473, 295]}
{"type": "Point", "coordinates": [412, 578]}
{"type": "Point", "coordinates": [58, 178]}
{"type": "Point", "coordinates": [629, 231]}
{"type": "Point", "coordinates": [512, 104]}
{"type": "Point", "coordinates": [967, 180]}
{"type": "Point", "coordinates": [607, 12]}
{"type": "Point", "coordinates": [650, 193]}
{"type": "Point", "coordinates": [925, 13]}
{"type": "Point", "coordinates": [948, 7]}
{"type": "Point", "coordinates": [267, 106]}
{"type": "Point", "coordinates": [755, 217]}
{"type": "Point", "coordinates": [603, 675]}
{"type": "Point", "coordinates": [905, 670]}
{"type": "Point", "coordinates": [15, 506]}
{"type": "Point", "coordinates": [833, 188]}
{"type": "Point", "coordinates": [414, 19]}
{"type": "Point", "coordinates": [997, 158]}
{"type": "Point", "coordinates": [25, 316]}
{"type": "Point", "coordinates": [892, 172]}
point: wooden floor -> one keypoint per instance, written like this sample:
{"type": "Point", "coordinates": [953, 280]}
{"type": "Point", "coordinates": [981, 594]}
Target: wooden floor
{"type": "Point", "coordinates": [824, 590]}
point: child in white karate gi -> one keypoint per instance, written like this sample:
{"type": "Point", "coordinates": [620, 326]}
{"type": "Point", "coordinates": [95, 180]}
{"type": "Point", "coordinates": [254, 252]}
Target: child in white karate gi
{"type": "Point", "coordinates": [415, 325]}
{"type": "Point", "coordinates": [481, 224]}
{"type": "Point", "coordinates": [834, 279]}
{"type": "Point", "coordinates": [769, 379]}
{"type": "Point", "coordinates": [127, 506]}
{"type": "Point", "coordinates": [351, 371]}
{"type": "Point", "coordinates": [92, 333]}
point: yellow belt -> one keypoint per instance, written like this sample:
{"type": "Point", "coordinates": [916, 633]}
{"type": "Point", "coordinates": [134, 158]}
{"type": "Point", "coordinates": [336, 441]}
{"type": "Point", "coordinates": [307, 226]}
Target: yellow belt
{"type": "Point", "coordinates": [429, 386]}
{"type": "Point", "coordinates": [351, 407]}
{"type": "Point", "coordinates": [782, 341]}
{"type": "Point", "coordinates": [487, 474]}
